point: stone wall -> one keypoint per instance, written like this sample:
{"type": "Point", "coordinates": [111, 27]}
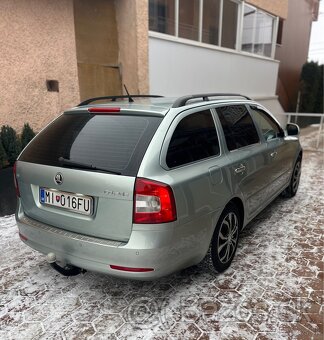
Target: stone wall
{"type": "Point", "coordinates": [37, 44]}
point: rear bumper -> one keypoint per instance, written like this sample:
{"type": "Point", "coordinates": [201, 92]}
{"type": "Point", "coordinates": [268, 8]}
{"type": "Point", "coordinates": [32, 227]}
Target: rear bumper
{"type": "Point", "coordinates": [145, 249]}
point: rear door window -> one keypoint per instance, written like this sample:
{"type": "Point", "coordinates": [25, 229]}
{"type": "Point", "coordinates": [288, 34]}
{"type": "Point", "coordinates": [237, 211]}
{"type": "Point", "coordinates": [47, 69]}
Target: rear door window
{"type": "Point", "coordinates": [110, 142]}
{"type": "Point", "coordinates": [194, 138]}
{"type": "Point", "coordinates": [238, 126]}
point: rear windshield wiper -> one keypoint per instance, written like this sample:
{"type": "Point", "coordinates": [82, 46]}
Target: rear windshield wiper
{"type": "Point", "coordinates": [65, 161]}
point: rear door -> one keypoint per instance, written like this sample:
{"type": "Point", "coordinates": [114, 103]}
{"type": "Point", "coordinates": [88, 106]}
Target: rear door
{"type": "Point", "coordinates": [246, 162]}
{"type": "Point", "coordinates": [192, 156]}
{"type": "Point", "coordinates": [78, 174]}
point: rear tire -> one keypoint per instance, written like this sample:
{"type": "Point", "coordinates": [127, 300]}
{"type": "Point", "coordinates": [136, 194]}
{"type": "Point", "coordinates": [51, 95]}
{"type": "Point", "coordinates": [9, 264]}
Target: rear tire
{"type": "Point", "coordinates": [225, 239]}
{"type": "Point", "coordinates": [292, 188]}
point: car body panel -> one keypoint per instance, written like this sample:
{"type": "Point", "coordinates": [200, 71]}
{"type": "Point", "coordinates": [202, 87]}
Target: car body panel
{"type": "Point", "coordinates": [112, 194]}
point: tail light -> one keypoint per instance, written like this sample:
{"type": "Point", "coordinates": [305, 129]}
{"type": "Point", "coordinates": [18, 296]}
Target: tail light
{"type": "Point", "coordinates": [153, 202]}
{"type": "Point", "coordinates": [15, 179]}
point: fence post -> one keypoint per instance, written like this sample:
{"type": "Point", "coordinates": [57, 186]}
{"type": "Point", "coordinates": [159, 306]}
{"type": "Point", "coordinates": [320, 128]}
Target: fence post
{"type": "Point", "coordinates": [320, 130]}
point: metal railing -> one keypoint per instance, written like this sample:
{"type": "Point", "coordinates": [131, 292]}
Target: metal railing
{"type": "Point", "coordinates": [320, 127]}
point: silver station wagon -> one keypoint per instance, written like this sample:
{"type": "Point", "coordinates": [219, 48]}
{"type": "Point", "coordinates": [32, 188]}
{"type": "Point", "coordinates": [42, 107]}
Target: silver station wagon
{"type": "Point", "coordinates": [142, 187]}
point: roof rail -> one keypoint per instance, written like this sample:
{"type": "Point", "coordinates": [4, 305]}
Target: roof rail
{"type": "Point", "coordinates": [113, 98]}
{"type": "Point", "coordinates": [181, 101]}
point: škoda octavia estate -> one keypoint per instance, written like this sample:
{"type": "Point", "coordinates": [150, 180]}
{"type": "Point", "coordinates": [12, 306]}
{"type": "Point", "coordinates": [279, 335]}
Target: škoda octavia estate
{"type": "Point", "coordinates": [142, 187]}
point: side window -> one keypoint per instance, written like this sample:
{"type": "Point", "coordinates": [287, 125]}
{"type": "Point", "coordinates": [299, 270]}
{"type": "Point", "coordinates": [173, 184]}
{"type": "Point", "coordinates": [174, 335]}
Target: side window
{"type": "Point", "coordinates": [267, 125]}
{"type": "Point", "coordinates": [194, 138]}
{"type": "Point", "coordinates": [238, 126]}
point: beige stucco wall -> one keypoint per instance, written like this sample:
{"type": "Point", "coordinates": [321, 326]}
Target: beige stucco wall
{"type": "Point", "coordinates": [97, 48]}
{"type": "Point", "coordinates": [276, 7]}
{"type": "Point", "coordinates": [132, 26]}
{"type": "Point", "coordinates": [37, 43]}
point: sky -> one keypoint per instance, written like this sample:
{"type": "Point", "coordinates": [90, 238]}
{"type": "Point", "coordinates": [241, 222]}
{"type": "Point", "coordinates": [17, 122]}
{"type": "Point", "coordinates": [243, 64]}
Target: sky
{"type": "Point", "coordinates": [316, 47]}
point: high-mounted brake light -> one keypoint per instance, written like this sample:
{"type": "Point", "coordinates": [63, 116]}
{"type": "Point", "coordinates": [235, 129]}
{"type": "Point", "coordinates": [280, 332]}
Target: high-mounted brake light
{"type": "Point", "coordinates": [153, 202]}
{"type": "Point", "coordinates": [15, 179]}
{"type": "Point", "coordinates": [103, 110]}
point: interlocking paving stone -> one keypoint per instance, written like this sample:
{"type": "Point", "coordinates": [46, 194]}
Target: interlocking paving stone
{"type": "Point", "coordinates": [273, 290]}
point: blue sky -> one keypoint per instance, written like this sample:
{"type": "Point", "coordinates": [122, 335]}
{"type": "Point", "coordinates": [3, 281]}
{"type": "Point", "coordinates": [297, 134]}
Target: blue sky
{"type": "Point", "coordinates": [316, 46]}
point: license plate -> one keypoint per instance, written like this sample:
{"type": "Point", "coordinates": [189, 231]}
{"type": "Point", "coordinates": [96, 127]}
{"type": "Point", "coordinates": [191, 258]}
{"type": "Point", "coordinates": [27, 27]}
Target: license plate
{"type": "Point", "coordinates": [74, 202]}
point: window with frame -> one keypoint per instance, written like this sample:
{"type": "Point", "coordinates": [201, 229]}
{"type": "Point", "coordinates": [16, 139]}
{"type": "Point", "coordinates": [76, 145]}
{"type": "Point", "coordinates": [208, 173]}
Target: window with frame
{"type": "Point", "coordinates": [189, 19]}
{"type": "Point", "coordinates": [162, 16]}
{"type": "Point", "coordinates": [210, 26]}
{"type": "Point", "coordinates": [229, 27]}
{"type": "Point", "coordinates": [215, 22]}
{"type": "Point", "coordinates": [219, 20]}
{"type": "Point", "coordinates": [193, 139]}
{"type": "Point", "coordinates": [239, 129]}
{"type": "Point", "coordinates": [257, 31]}
{"type": "Point", "coordinates": [269, 127]}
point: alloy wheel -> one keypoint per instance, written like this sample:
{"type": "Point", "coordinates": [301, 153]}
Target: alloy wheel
{"type": "Point", "coordinates": [296, 176]}
{"type": "Point", "coordinates": [227, 237]}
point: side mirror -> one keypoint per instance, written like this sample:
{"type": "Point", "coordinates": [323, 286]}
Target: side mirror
{"type": "Point", "coordinates": [292, 129]}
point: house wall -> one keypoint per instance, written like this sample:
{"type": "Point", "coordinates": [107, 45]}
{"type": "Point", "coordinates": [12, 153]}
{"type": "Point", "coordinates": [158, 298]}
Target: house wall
{"type": "Point", "coordinates": [37, 43]}
{"type": "Point", "coordinates": [178, 68]}
{"type": "Point", "coordinates": [293, 51]}
{"type": "Point", "coordinates": [275, 7]}
{"type": "Point", "coordinates": [132, 27]}
{"type": "Point", "coordinates": [97, 48]}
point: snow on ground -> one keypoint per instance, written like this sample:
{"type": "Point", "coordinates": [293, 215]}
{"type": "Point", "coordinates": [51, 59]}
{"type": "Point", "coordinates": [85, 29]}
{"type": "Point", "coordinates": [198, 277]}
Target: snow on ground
{"type": "Point", "coordinates": [273, 290]}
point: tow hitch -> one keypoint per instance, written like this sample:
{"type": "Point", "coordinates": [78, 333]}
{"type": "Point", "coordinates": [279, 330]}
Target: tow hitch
{"type": "Point", "coordinates": [67, 270]}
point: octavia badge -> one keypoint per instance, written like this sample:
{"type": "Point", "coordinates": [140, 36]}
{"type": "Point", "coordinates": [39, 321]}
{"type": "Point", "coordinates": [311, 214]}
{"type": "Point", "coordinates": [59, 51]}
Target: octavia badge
{"type": "Point", "coordinates": [58, 178]}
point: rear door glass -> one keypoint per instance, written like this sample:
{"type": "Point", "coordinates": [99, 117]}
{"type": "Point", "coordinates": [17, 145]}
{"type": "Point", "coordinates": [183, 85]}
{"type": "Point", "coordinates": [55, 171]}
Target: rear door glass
{"type": "Point", "coordinates": [194, 138]}
{"type": "Point", "coordinates": [238, 126]}
{"type": "Point", "coordinates": [110, 142]}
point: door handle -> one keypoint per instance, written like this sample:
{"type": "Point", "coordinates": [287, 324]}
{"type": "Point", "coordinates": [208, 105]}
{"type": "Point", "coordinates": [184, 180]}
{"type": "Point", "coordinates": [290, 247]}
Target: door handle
{"type": "Point", "coordinates": [273, 154]}
{"type": "Point", "coordinates": [240, 169]}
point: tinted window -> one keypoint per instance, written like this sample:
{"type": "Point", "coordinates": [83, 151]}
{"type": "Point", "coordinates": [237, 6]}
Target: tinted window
{"type": "Point", "coordinates": [111, 142]}
{"type": "Point", "coordinates": [162, 16]}
{"type": "Point", "coordinates": [194, 138]}
{"type": "Point", "coordinates": [267, 125]}
{"type": "Point", "coordinates": [189, 19]}
{"type": "Point", "coordinates": [238, 127]}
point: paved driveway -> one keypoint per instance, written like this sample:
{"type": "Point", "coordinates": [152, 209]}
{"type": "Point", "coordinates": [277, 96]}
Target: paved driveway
{"type": "Point", "coordinates": [273, 290]}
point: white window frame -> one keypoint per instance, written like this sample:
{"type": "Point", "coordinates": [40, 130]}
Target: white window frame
{"type": "Point", "coordinates": [239, 28]}
{"type": "Point", "coordinates": [176, 16]}
{"type": "Point", "coordinates": [200, 20]}
{"type": "Point", "coordinates": [220, 21]}
{"type": "Point", "coordinates": [274, 30]}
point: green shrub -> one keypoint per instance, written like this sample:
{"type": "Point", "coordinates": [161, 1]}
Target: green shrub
{"type": "Point", "coordinates": [27, 135]}
{"type": "Point", "coordinates": [10, 142]}
{"type": "Point", "coordinates": [3, 156]}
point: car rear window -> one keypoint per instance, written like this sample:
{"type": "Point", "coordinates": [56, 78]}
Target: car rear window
{"type": "Point", "coordinates": [110, 142]}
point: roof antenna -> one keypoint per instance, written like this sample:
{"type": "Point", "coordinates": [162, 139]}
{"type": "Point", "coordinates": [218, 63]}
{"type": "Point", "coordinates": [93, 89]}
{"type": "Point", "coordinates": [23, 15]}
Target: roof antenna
{"type": "Point", "coordinates": [130, 99]}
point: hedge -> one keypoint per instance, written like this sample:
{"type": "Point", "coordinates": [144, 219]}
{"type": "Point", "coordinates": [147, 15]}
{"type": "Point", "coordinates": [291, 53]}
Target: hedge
{"type": "Point", "coordinates": [11, 145]}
